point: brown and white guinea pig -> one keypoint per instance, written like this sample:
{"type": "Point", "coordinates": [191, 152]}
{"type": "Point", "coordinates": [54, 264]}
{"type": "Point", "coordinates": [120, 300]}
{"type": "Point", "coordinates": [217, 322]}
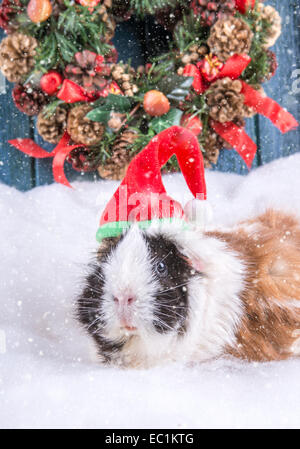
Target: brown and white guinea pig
{"type": "Point", "coordinates": [174, 294]}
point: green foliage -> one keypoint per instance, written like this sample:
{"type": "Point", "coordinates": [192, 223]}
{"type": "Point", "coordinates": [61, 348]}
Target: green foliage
{"type": "Point", "coordinates": [77, 29]}
{"type": "Point", "coordinates": [159, 124]}
{"type": "Point", "coordinates": [103, 108]}
{"type": "Point", "coordinates": [144, 7]}
{"type": "Point", "coordinates": [189, 32]}
{"type": "Point", "coordinates": [175, 87]}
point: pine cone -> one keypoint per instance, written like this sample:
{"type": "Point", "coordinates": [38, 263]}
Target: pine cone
{"type": "Point", "coordinates": [89, 71]}
{"type": "Point", "coordinates": [28, 99]}
{"type": "Point", "coordinates": [230, 36]}
{"type": "Point", "coordinates": [115, 167]}
{"type": "Point", "coordinates": [225, 100]}
{"type": "Point", "coordinates": [82, 160]}
{"type": "Point", "coordinates": [212, 145]}
{"type": "Point", "coordinates": [81, 129]}
{"type": "Point", "coordinates": [271, 15]}
{"type": "Point", "coordinates": [124, 76]}
{"type": "Point", "coordinates": [17, 53]}
{"type": "Point", "coordinates": [9, 11]}
{"type": "Point", "coordinates": [211, 11]}
{"type": "Point", "coordinates": [52, 127]}
{"type": "Point", "coordinates": [193, 55]}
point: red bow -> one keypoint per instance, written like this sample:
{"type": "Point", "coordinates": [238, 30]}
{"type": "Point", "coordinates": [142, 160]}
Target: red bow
{"type": "Point", "coordinates": [59, 154]}
{"type": "Point", "coordinates": [230, 132]}
{"type": "Point", "coordinates": [71, 92]}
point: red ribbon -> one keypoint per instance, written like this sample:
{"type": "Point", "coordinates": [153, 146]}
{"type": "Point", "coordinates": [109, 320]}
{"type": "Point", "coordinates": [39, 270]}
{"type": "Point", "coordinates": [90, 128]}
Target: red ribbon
{"type": "Point", "coordinates": [238, 139]}
{"type": "Point", "coordinates": [59, 154]}
{"type": "Point", "coordinates": [71, 92]}
{"type": "Point", "coordinates": [233, 69]}
{"type": "Point", "coordinates": [263, 105]}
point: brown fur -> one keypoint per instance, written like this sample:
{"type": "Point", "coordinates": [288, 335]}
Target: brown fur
{"type": "Point", "coordinates": [270, 248]}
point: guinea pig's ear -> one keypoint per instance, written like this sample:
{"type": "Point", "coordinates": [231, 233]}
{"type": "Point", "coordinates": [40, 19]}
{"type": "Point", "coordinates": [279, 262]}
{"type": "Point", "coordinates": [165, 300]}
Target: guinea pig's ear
{"type": "Point", "coordinates": [196, 263]}
{"type": "Point", "coordinates": [191, 256]}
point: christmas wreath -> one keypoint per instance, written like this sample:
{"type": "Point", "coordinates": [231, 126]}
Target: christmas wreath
{"type": "Point", "coordinates": [100, 112]}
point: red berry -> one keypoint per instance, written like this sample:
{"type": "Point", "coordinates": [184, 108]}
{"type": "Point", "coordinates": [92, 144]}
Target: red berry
{"type": "Point", "coordinates": [50, 82]}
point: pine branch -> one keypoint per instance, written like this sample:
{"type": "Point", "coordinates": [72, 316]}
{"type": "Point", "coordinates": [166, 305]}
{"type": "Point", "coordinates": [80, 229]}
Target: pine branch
{"type": "Point", "coordinates": [190, 32]}
{"type": "Point", "coordinates": [144, 7]}
{"type": "Point", "coordinates": [77, 29]}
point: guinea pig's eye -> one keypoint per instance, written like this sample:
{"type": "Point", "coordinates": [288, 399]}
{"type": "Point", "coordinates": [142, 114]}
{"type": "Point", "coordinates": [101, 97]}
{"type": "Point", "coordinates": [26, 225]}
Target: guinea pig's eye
{"type": "Point", "coordinates": [161, 269]}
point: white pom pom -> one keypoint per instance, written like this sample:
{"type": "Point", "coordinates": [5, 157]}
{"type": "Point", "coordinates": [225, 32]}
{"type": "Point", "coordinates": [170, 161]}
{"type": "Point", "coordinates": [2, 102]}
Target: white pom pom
{"type": "Point", "coordinates": [199, 212]}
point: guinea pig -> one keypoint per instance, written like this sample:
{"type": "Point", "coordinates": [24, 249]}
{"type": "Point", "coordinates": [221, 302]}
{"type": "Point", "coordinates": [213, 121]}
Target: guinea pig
{"type": "Point", "coordinates": [170, 293]}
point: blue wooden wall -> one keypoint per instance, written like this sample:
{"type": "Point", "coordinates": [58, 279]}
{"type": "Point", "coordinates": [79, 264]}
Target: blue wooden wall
{"type": "Point", "coordinates": [132, 41]}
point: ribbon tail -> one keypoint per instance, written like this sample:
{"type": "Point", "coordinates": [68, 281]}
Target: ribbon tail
{"type": "Point", "coordinates": [238, 139]}
{"type": "Point", "coordinates": [59, 154]}
{"type": "Point", "coordinates": [58, 164]}
{"type": "Point", "coordinates": [30, 148]}
{"type": "Point", "coordinates": [267, 107]}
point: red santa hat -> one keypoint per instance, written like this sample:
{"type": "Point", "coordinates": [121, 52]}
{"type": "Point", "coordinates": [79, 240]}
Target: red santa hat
{"type": "Point", "coordinates": [142, 197]}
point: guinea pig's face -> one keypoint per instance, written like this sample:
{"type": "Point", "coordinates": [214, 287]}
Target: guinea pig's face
{"type": "Point", "coordinates": [138, 287]}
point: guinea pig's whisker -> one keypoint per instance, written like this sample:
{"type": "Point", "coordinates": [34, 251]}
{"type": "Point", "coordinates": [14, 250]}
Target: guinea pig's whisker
{"type": "Point", "coordinates": [99, 276]}
{"type": "Point", "coordinates": [88, 309]}
{"type": "Point", "coordinates": [99, 318]}
{"type": "Point", "coordinates": [162, 324]}
{"type": "Point", "coordinates": [175, 313]}
{"type": "Point", "coordinates": [173, 288]}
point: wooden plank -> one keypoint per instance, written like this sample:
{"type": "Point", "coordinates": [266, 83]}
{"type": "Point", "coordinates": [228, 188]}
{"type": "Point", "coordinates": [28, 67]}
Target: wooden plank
{"type": "Point", "coordinates": [285, 86]}
{"type": "Point", "coordinates": [16, 169]}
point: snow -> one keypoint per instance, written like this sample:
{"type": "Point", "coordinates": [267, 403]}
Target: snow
{"type": "Point", "coordinates": [46, 376]}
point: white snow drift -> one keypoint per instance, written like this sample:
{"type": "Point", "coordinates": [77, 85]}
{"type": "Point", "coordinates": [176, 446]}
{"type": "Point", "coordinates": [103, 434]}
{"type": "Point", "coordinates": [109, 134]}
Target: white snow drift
{"type": "Point", "coordinates": [47, 236]}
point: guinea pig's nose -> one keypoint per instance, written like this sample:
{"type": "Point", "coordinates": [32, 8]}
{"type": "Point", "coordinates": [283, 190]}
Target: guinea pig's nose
{"type": "Point", "coordinates": [124, 300]}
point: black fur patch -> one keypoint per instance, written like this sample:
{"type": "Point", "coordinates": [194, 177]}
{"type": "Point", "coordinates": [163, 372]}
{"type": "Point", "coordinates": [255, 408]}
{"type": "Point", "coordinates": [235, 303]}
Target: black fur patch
{"type": "Point", "coordinates": [89, 303]}
{"type": "Point", "coordinates": [171, 304]}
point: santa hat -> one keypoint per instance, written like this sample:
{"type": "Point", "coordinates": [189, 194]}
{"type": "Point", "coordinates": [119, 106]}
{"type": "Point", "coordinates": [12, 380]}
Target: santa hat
{"type": "Point", "coordinates": [142, 197]}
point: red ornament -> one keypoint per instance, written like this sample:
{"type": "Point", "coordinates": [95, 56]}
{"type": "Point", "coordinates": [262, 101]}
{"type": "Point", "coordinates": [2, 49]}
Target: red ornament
{"type": "Point", "coordinates": [50, 82]}
{"type": "Point", "coordinates": [210, 67]}
{"type": "Point", "coordinates": [243, 5]}
{"type": "Point", "coordinates": [194, 124]}
{"type": "Point", "coordinates": [156, 103]}
{"type": "Point", "coordinates": [39, 10]}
